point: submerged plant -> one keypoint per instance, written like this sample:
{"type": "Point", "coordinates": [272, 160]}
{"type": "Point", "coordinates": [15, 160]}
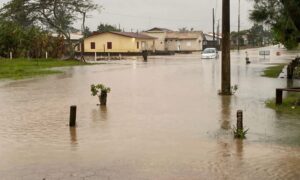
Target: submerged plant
{"type": "Point", "coordinates": [233, 90]}
{"type": "Point", "coordinates": [101, 91]}
{"type": "Point", "coordinates": [240, 133]}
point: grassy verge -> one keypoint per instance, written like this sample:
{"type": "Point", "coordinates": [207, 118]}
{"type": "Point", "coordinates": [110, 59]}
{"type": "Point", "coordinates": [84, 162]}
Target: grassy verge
{"type": "Point", "coordinates": [273, 71]}
{"type": "Point", "coordinates": [24, 68]}
{"type": "Point", "coordinates": [290, 105]}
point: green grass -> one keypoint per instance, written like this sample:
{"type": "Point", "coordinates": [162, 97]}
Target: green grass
{"type": "Point", "coordinates": [273, 71]}
{"type": "Point", "coordinates": [26, 68]}
{"type": "Point", "coordinates": [290, 105]}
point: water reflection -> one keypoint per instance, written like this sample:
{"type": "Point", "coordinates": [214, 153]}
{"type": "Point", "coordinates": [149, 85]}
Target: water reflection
{"type": "Point", "coordinates": [152, 124]}
{"type": "Point", "coordinates": [226, 112]}
{"type": "Point", "coordinates": [239, 148]}
{"type": "Point", "coordinates": [73, 136]}
{"type": "Point", "coordinates": [290, 83]}
{"type": "Point", "coordinates": [103, 113]}
{"type": "Point", "coordinates": [100, 113]}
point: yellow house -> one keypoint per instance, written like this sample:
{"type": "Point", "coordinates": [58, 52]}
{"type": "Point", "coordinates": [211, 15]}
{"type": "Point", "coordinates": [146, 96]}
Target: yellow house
{"type": "Point", "coordinates": [120, 42]}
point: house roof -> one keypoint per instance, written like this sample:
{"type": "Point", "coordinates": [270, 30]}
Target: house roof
{"type": "Point", "coordinates": [126, 34]}
{"type": "Point", "coordinates": [159, 29]}
{"type": "Point", "coordinates": [210, 35]}
{"type": "Point", "coordinates": [73, 36]}
{"type": "Point", "coordinates": [184, 35]}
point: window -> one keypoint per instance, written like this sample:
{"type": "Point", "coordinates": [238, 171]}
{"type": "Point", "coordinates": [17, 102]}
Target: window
{"type": "Point", "coordinates": [109, 45]}
{"type": "Point", "coordinates": [138, 45]}
{"type": "Point", "coordinates": [93, 45]}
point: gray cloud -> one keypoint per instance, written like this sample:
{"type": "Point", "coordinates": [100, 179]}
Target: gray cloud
{"type": "Point", "coordinates": [173, 14]}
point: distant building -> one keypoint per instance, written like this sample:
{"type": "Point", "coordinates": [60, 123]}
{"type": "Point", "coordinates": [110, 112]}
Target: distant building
{"type": "Point", "coordinates": [160, 35]}
{"type": "Point", "coordinates": [209, 42]}
{"type": "Point", "coordinates": [184, 41]}
{"type": "Point", "coordinates": [168, 40]}
{"type": "Point", "coordinates": [120, 42]}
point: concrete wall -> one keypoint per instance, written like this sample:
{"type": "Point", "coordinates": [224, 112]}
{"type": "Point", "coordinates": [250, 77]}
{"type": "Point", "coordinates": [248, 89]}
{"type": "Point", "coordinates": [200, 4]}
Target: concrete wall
{"type": "Point", "coordinates": [119, 43]}
{"type": "Point", "coordinates": [184, 44]}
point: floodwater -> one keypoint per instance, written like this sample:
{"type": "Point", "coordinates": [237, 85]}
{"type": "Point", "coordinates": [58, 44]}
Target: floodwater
{"type": "Point", "coordinates": [164, 120]}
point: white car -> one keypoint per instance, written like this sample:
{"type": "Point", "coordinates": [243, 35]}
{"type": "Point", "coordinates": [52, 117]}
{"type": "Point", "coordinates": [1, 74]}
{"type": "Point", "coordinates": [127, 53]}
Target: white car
{"type": "Point", "coordinates": [210, 53]}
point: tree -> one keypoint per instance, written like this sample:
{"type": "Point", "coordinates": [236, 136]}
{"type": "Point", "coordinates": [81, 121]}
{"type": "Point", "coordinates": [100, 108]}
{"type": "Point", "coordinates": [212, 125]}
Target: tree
{"type": "Point", "coordinates": [292, 7]}
{"type": "Point", "coordinates": [87, 32]}
{"type": "Point", "coordinates": [28, 41]}
{"type": "Point", "coordinates": [18, 12]}
{"type": "Point", "coordinates": [107, 28]}
{"type": "Point", "coordinates": [282, 16]}
{"type": "Point", "coordinates": [57, 15]}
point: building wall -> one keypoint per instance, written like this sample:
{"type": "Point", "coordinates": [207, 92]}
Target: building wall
{"type": "Point", "coordinates": [159, 44]}
{"type": "Point", "coordinates": [119, 43]}
{"type": "Point", "coordinates": [184, 44]}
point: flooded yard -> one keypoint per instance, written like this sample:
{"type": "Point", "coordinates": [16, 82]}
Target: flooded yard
{"type": "Point", "coordinates": [164, 120]}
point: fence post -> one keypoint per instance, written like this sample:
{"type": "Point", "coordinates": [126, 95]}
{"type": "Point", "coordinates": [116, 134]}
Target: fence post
{"type": "Point", "coordinates": [239, 122]}
{"type": "Point", "coordinates": [46, 55]}
{"type": "Point", "coordinates": [73, 110]}
{"type": "Point", "coordinates": [278, 96]}
{"type": "Point", "coordinates": [95, 56]}
{"type": "Point", "coordinates": [289, 72]}
{"type": "Point", "coordinates": [10, 55]}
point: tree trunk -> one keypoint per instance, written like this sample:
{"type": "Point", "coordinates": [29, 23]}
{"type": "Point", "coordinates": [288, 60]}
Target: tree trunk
{"type": "Point", "coordinates": [103, 98]}
{"type": "Point", "coordinates": [226, 80]}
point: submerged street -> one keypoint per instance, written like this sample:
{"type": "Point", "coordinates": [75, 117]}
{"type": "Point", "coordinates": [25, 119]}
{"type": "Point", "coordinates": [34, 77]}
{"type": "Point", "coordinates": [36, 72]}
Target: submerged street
{"type": "Point", "coordinates": [164, 120]}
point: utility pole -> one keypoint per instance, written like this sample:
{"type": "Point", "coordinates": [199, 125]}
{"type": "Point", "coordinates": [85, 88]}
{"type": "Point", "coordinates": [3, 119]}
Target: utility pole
{"type": "Point", "coordinates": [226, 79]}
{"type": "Point", "coordinates": [214, 35]}
{"type": "Point", "coordinates": [218, 33]}
{"type": "Point", "coordinates": [83, 29]}
{"type": "Point", "coordinates": [239, 25]}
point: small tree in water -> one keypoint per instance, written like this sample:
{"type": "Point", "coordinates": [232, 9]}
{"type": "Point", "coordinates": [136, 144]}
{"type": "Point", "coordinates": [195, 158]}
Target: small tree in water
{"type": "Point", "coordinates": [101, 91]}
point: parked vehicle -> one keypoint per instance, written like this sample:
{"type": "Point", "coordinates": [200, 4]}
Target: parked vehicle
{"type": "Point", "coordinates": [210, 53]}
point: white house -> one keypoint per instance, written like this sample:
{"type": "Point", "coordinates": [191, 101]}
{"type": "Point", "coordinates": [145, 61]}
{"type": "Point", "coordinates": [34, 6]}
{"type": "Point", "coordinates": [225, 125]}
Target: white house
{"type": "Point", "coordinates": [168, 40]}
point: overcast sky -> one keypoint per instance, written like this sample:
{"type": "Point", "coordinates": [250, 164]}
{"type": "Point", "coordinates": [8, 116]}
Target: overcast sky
{"type": "Point", "coordinates": [172, 14]}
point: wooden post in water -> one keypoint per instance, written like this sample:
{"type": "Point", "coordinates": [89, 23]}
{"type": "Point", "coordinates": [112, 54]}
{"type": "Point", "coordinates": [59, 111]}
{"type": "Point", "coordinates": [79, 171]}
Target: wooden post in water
{"type": "Point", "coordinates": [239, 122]}
{"type": "Point", "coordinates": [289, 72]}
{"type": "Point", "coordinates": [278, 96]}
{"type": "Point", "coordinates": [226, 70]}
{"type": "Point", "coordinates": [73, 110]}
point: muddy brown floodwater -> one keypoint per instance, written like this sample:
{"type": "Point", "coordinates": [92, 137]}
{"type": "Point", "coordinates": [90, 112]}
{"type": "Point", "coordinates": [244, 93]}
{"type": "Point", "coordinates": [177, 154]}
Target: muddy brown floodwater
{"type": "Point", "coordinates": [164, 120]}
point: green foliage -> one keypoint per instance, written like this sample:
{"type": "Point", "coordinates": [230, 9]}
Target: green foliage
{"type": "Point", "coordinates": [99, 88]}
{"type": "Point", "coordinates": [58, 16]}
{"type": "Point", "coordinates": [273, 71]}
{"type": "Point", "coordinates": [107, 28]}
{"type": "Point", "coordinates": [87, 32]}
{"type": "Point", "coordinates": [24, 68]}
{"type": "Point", "coordinates": [16, 11]}
{"type": "Point", "coordinates": [240, 133]}
{"type": "Point", "coordinates": [233, 90]}
{"type": "Point", "coordinates": [28, 41]}
{"type": "Point", "coordinates": [290, 104]}
{"type": "Point", "coordinates": [283, 18]}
